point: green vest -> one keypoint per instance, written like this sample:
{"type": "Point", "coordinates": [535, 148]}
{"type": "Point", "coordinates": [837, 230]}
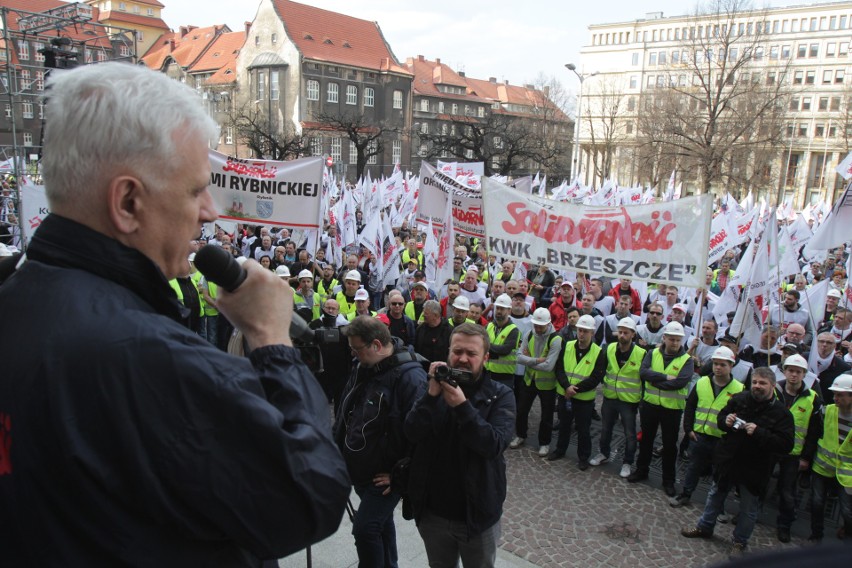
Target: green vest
{"type": "Point", "coordinates": [832, 458]}
{"type": "Point", "coordinates": [176, 287]}
{"type": "Point", "coordinates": [802, 410]}
{"type": "Point", "coordinates": [707, 410]}
{"type": "Point", "coordinates": [578, 371]}
{"type": "Point", "coordinates": [354, 315]}
{"type": "Point", "coordinates": [325, 293]}
{"type": "Point", "coordinates": [505, 365]}
{"type": "Point", "coordinates": [623, 383]}
{"type": "Point", "coordinates": [544, 380]}
{"type": "Point", "coordinates": [450, 321]}
{"type": "Point", "coordinates": [675, 400]}
{"type": "Point", "coordinates": [345, 307]}
{"type": "Point", "coordinates": [298, 298]}
{"type": "Point", "coordinates": [213, 292]}
{"type": "Point", "coordinates": [406, 257]}
{"type": "Point", "coordinates": [409, 311]}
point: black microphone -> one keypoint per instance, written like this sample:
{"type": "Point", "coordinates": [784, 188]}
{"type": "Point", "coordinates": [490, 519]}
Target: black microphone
{"type": "Point", "coordinates": [221, 268]}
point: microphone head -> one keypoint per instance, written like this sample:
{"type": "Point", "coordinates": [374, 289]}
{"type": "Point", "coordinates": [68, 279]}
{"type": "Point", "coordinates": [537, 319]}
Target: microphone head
{"type": "Point", "coordinates": [219, 267]}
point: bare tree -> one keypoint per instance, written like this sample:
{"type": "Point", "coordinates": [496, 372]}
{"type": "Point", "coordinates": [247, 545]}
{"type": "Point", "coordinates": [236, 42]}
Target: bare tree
{"type": "Point", "coordinates": [367, 136]}
{"type": "Point", "coordinates": [265, 136]}
{"type": "Point", "coordinates": [605, 107]}
{"type": "Point", "coordinates": [718, 104]}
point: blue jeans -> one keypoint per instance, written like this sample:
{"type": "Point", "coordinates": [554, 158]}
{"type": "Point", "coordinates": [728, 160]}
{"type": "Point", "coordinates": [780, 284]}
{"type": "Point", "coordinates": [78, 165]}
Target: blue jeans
{"type": "Point", "coordinates": [373, 528]}
{"type": "Point", "coordinates": [820, 487]}
{"type": "Point", "coordinates": [611, 411]}
{"type": "Point", "coordinates": [701, 456]}
{"type": "Point", "coordinates": [446, 541]}
{"type": "Point", "coordinates": [209, 328]}
{"type": "Point", "coordinates": [749, 509]}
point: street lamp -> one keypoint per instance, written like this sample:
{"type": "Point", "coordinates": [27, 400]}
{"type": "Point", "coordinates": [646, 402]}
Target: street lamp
{"type": "Point", "coordinates": [576, 152]}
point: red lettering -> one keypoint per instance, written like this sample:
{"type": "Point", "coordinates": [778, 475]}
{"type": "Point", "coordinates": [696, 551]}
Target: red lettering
{"type": "Point", "coordinates": [5, 444]}
{"type": "Point", "coordinates": [718, 238]}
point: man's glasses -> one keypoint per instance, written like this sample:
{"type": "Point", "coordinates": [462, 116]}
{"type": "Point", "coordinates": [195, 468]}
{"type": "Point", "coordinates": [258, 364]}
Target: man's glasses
{"type": "Point", "coordinates": [655, 313]}
{"type": "Point", "coordinates": [397, 303]}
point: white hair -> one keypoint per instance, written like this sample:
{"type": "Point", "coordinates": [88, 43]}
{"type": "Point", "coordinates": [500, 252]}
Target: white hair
{"type": "Point", "coordinates": [111, 117]}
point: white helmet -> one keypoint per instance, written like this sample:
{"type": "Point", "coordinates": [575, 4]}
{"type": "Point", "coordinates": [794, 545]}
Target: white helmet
{"type": "Point", "coordinates": [503, 301]}
{"type": "Point", "coordinates": [362, 294]}
{"type": "Point", "coordinates": [541, 316]}
{"type": "Point", "coordinates": [353, 275]}
{"type": "Point", "coordinates": [628, 323]}
{"type": "Point", "coordinates": [586, 322]}
{"type": "Point", "coordinates": [843, 383]}
{"type": "Point", "coordinates": [724, 354]}
{"type": "Point", "coordinates": [462, 303]}
{"type": "Point", "coordinates": [282, 271]}
{"type": "Point", "coordinates": [305, 274]}
{"type": "Point", "coordinates": [673, 328]}
{"type": "Point", "coordinates": [796, 361]}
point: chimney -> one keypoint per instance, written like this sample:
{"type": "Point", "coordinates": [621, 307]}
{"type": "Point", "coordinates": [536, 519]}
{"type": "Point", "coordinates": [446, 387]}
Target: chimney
{"type": "Point", "coordinates": [461, 73]}
{"type": "Point", "coordinates": [437, 61]}
{"type": "Point", "coordinates": [546, 91]}
{"type": "Point", "coordinates": [492, 79]}
{"type": "Point", "coordinates": [421, 58]}
{"type": "Point", "coordinates": [248, 27]}
{"type": "Point", "coordinates": [529, 87]}
{"type": "Point", "coordinates": [171, 45]}
{"type": "Point", "coordinates": [183, 31]}
{"type": "Point", "coordinates": [506, 82]}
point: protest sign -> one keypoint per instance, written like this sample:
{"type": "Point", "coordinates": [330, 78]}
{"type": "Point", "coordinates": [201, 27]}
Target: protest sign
{"type": "Point", "coordinates": [664, 242]}
{"type": "Point", "coordinates": [432, 202]}
{"type": "Point", "coordinates": [267, 192]}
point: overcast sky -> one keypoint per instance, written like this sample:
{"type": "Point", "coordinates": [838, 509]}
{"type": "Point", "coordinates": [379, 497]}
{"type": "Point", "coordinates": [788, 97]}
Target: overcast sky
{"type": "Point", "coordinates": [507, 39]}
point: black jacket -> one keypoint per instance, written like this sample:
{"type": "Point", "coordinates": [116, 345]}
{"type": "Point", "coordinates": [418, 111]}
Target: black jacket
{"type": "Point", "coordinates": [483, 425]}
{"type": "Point", "coordinates": [749, 459]}
{"type": "Point", "coordinates": [375, 401]}
{"type": "Point", "coordinates": [135, 441]}
{"type": "Point", "coordinates": [826, 378]}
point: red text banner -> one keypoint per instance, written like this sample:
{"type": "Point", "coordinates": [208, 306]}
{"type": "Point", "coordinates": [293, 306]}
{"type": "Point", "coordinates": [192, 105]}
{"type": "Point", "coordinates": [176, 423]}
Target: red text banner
{"type": "Point", "coordinates": [267, 192]}
{"type": "Point", "coordinates": [432, 202]}
{"type": "Point", "coordinates": [663, 242]}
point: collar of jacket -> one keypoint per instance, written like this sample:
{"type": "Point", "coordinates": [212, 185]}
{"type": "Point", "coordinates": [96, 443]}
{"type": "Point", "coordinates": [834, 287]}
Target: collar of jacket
{"type": "Point", "coordinates": [65, 243]}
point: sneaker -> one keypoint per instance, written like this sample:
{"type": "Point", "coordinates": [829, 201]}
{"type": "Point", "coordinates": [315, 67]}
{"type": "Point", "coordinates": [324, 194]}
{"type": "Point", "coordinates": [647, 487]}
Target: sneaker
{"type": "Point", "coordinates": [553, 456]}
{"type": "Point", "coordinates": [737, 549]}
{"type": "Point", "coordinates": [582, 465]}
{"type": "Point", "coordinates": [637, 476]}
{"type": "Point", "coordinates": [783, 534]}
{"type": "Point", "coordinates": [517, 442]}
{"type": "Point", "coordinates": [680, 501]}
{"type": "Point", "coordinates": [543, 451]}
{"type": "Point", "coordinates": [626, 470]}
{"type": "Point", "coordinates": [695, 532]}
{"type": "Point", "coordinates": [724, 518]}
{"type": "Point", "coordinates": [598, 460]}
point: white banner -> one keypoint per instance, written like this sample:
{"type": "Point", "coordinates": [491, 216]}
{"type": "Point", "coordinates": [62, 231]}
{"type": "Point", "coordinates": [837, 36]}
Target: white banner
{"type": "Point", "coordinates": [266, 192]}
{"type": "Point", "coordinates": [33, 208]}
{"type": "Point", "coordinates": [721, 237]}
{"type": "Point", "coordinates": [663, 242]}
{"type": "Point", "coordinates": [432, 202]}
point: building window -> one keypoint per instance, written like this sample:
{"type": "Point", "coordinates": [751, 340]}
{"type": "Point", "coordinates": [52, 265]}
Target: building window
{"type": "Point", "coordinates": [150, 11]}
{"type": "Point", "coordinates": [830, 48]}
{"type": "Point", "coordinates": [23, 50]}
{"type": "Point", "coordinates": [806, 103]}
{"type": "Point", "coordinates": [631, 104]}
{"type": "Point", "coordinates": [353, 154]}
{"type": "Point", "coordinates": [261, 85]}
{"type": "Point", "coordinates": [351, 95]}
{"type": "Point", "coordinates": [256, 40]}
{"type": "Point", "coordinates": [814, 50]}
{"type": "Point", "coordinates": [140, 36]}
{"type": "Point", "coordinates": [842, 49]}
{"type": "Point", "coordinates": [122, 6]}
{"type": "Point", "coordinates": [661, 58]}
{"type": "Point", "coordinates": [652, 59]}
{"type": "Point", "coordinates": [8, 111]}
{"type": "Point", "coordinates": [480, 112]}
{"type": "Point", "coordinates": [810, 77]}
{"type": "Point", "coordinates": [819, 131]}
{"type": "Point", "coordinates": [41, 109]}
{"type": "Point", "coordinates": [424, 149]}
{"type": "Point", "coordinates": [371, 149]}
{"type": "Point", "coordinates": [835, 104]}
{"type": "Point", "coordinates": [38, 46]}
{"type": "Point", "coordinates": [629, 128]}
{"type": "Point", "coordinates": [424, 105]}
{"type": "Point", "coordinates": [826, 77]}
{"type": "Point", "coordinates": [633, 81]}
{"type": "Point", "coordinates": [316, 146]}
{"type": "Point", "coordinates": [274, 90]}
{"type": "Point", "coordinates": [336, 145]}
{"type": "Point", "coordinates": [397, 99]}
{"type": "Point", "coordinates": [798, 77]}
{"type": "Point", "coordinates": [823, 103]}
{"type": "Point", "coordinates": [39, 80]}
{"type": "Point", "coordinates": [441, 107]}
{"type": "Point", "coordinates": [649, 82]}
{"type": "Point", "coordinates": [229, 135]}
{"type": "Point", "coordinates": [27, 110]}
{"type": "Point", "coordinates": [794, 103]}
{"type": "Point", "coordinates": [28, 138]}
{"type": "Point", "coordinates": [396, 151]}
{"type": "Point", "coordinates": [634, 59]}
{"type": "Point", "coordinates": [773, 52]}
{"type": "Point", "coordinates": [839, 75]}
{"type": "Point", "coordinates": [424, 128]}
{"type": "Point", "coordinates": [313, 90]}
{"type": "Point", "coordinates": [332, 92]}
{"type": "Point", "coordinates": [274, 38]}
{"type": "Point", "coordinates": [369, 96]}
{"type": "Point", "coordinates": [803, 50]}
{"type": "Point", "coordinates": [455, 109]}
{"type": "Point", "coordinates": [785, 52]}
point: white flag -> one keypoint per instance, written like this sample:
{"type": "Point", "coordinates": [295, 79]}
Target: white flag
{"type": "Point", "coordinates": [844, 168]}
{"type": "Point", "coordinates": [430, 257]}
{"type": "Point", "coordinates": [445, 246]}
{"type": "Point", "coordinates": [834, 231]}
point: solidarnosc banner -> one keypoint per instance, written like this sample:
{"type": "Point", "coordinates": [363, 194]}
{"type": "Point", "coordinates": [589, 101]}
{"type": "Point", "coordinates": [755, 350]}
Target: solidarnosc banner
{"type": "Point", "coordinates": [266, 192]}
{"type": "Point", "coordinates": [432, 202]}
{"type": "Point", "coordinates": [662, 242]}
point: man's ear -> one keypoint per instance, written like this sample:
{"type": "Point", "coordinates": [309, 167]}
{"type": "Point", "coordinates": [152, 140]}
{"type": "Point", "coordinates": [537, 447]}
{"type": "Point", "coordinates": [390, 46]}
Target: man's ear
{"type": "Point", "coordinates": [124, 200]}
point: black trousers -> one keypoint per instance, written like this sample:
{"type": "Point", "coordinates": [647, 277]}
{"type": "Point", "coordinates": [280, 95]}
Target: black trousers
{"type": "Point", "coordinates": [527, 396]}
{"type": "Point", "coordinates": [651, 418]}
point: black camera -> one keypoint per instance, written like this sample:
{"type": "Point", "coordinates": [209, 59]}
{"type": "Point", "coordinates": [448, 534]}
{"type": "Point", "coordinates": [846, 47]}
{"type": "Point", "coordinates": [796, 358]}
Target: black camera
{"type": "Point", "coordinates": [452, 376]}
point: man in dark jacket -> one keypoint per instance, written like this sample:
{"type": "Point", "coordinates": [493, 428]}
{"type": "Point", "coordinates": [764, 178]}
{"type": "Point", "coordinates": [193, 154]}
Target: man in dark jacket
{"type": "Point", "coordinates": [432, 338]}
{"type": "Point", "coordinates": [759, 429]}
{"type": "Point", "coordinates": [383, 387]}
{"type": "Point", "coordinates": [131, 440]}
{"type": "Point", "coordinates": [458, 475]}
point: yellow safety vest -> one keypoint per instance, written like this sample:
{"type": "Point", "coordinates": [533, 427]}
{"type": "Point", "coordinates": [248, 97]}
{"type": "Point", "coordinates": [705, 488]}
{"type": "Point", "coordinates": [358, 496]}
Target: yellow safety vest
{"type": "Point", "coordinates": [298, 298]}
{"type": "Point", "coordinates": [505, 365]}
{"type": "Point", "coordinates": [409, 311]}
{"type": "Point", "coordinates": [578, 371]}
{"type": "Point", "coordinates": [832, 458]}
{"type": "Point", "coordinates": [176, 287]}
{"type": "Point", "coordinates": [213, 292]}
{"type": "Point", "coordinates": [709, 406]}
{"type": "Point", "coordinates": [325, 293]}
{"type": "Point", "coordinates": [674, 400]}
{"type": "Point", "coordinates": [450, 321]}
{"type": "Point", "coordinates": [623, 383]}
{"type": "Point", "coordinates": [544, 380]}
{"type": "Point", "coordinates": [353, 315]}
{"type": "Point", "coordinates": [802, 410]}
{"type": "Point", "coordinates": [406, 257]}
{"type": "Point", "coordinates": [345, 307]}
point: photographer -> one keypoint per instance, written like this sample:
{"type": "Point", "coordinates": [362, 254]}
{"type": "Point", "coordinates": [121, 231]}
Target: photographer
{"type": "Point", "coordinates": [383, 387]}
{"type": "Point", "coordinates": [759, 429]}
{"type": "Point", "coordinates": [460, 428]}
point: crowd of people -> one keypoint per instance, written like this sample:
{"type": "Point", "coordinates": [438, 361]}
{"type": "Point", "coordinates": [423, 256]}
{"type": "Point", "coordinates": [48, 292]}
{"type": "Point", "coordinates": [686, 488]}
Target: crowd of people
{"type": "Point", "coordinates": [652, 359]}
